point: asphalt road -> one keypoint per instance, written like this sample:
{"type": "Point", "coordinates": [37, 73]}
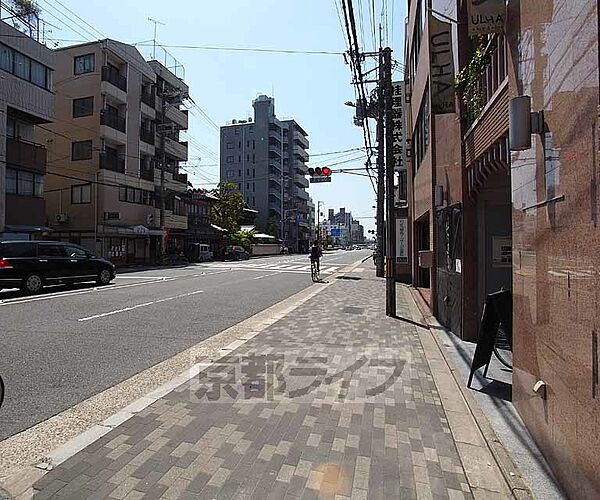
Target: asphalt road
{"type": "Point", "coordinates": [67, 344]}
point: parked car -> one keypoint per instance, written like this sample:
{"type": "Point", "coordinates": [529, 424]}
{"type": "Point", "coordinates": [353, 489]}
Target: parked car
{"type": "Point", "coordinates": [199, 252]}
{"type": "Point", "coordinates": [235, 252]}
{"type": "Point", "coordinates": [31, 265]}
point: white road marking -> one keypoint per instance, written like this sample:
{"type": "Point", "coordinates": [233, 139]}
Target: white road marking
{"type": "Point", "coordinates": [145, 304]}
{"type": "Point", "coordinates": [264, 276]}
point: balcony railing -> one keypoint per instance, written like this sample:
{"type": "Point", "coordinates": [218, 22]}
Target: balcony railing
{"type": "Point", "coordinates": [149, 98]}
{"type": "Point", "coordinates": [183, 178]}
{"type": "Point", "coordinates": [23, 153]}
{"type": "Point", "coordinates": [147, 136]}
{"type": "Point", "coordinates": [147, 173]}
{"type": "Point", "coordinates": [111, 75]}
{"type": "Point", "coordinates": [112, 120]}
{"type": "Point", "coordinates": [112, 162]}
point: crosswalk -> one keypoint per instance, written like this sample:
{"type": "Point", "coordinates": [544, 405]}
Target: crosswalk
{"type": "Point", "coordinates": [277, 267]}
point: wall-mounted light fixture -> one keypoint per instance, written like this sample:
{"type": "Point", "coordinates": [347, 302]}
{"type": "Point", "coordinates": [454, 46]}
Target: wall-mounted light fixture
{"type": "Point", "coordinates": [522, 123]}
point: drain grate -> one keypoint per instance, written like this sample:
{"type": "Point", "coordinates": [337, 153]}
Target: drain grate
{"type": "Point", "coordinates": [353, 278]}
{"type": "Point", "coordinates": [353, 310]}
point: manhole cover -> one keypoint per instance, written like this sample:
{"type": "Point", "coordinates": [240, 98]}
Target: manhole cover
{"type": "Point", "coordinates": [353, 310]}
{"type": "Point", "coordinates": [353, 278]}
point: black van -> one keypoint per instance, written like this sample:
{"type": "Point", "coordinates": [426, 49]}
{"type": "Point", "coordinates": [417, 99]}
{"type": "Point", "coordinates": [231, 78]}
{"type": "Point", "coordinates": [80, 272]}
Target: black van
{"type": "Point", "coordinates": [31, 265]}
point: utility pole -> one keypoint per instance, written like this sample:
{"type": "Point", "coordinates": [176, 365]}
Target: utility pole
{"type": "Point", "coordinates": [390, 239]}
{"type": "Point", "coordinates": [163, 165]}
{"type": "Point", "coordinates": [379, 270]}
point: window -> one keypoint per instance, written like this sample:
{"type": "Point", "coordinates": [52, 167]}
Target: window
{"type": "Point", "coordinates": [22, 66]}
{"type": "Point", "coordinates": [51, 250]}
{"type": "Point", "coordinates": [253, 173]}
{"type": "Point", "coordinates": [11, 181]}
{"type": "Point", "coordinates": [248, 172]}
{"type": "Point", "coordinates": [38, 74]}
{"type": "Point", "coordinates": [239, 173]}
{"type": "Point", "coordinates": [248, 185]}
{"type": "Point", "coordinates": [251, 129]}
{"type": "Point", "coordinates": [81, 150]}
{"type": "Point", "coordinates": [253, 145]}
{"type": "Point", "coordinates": [83, 107]}
{"type": "Point", "coordinates": [247, 157]}
{"type": "Point", "coordinates": [229, 159]}
{"type": "Point", "coordinates": [248, 143]}
{"type": "Point", "coordinates": [138, 196]}
{"type": "Point", "coordinates": [420, 140]}
{"type": "Point", "coordinates": [11, 128]}
{"type": "Point", "coordinates": [6, 58]}
{"type": "Point", "coordinates": [76, 252]}
{"type": "Point", "coordinates": [84, 64]}
{"type": "Point", "coordinates": [253, 201]}
{"type": "Point", "coordinates": [38, 185]}
{"type": "Point", "coordinates": [230, 145]}
{"type": "Point", "coordinates": [25, 183]}
{"type": "Point", "coordinates": [240, 145]}
{"type": "Point", "coordinates": [229, 174]}
{"type": "Point", "coordinates": [18, 250]}
{"type": "Point", "coordinates": [253, 158]}
{"type": "Point", "coordinates": [240, 159]}
{"type": "Point", "coordinates": [253, 187]}
{"type": "Point", "coordinates": [81, 194]}
{"type": "Point", "coordinates": [237, 131]}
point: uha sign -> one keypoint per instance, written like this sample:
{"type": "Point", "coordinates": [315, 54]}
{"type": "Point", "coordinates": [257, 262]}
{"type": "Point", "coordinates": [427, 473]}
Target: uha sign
{"type": "Point", "coordinates": [486, 16]}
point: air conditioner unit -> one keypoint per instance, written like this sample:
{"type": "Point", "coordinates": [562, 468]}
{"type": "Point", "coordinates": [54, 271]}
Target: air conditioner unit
{"type": "Point", "coordinates": [62, 217]}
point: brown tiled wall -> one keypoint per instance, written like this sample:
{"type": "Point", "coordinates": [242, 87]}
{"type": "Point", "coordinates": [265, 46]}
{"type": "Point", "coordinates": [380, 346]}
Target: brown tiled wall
{"type": "Point", "coordinates": [556, 247]}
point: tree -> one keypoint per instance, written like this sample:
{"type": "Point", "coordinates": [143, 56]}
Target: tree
{"type": "Point", "coordinates": [228, 210]}
{"type": "Point", "coordinates": [243, 238]}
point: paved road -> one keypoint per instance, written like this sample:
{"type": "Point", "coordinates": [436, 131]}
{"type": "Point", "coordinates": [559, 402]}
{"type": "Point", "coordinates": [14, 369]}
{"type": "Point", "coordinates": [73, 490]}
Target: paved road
{"type": "Point", "coordinates": [63, 346]}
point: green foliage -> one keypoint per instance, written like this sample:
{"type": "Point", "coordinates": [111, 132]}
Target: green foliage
{"type": "Point", "coordinates": [468, 82]}
{"type": "Point", "coordinates": [228, 211]}
{"type": "Point", "coordinates": [26, 8]}
{"type": "Point", "coordinates": [243, 238]}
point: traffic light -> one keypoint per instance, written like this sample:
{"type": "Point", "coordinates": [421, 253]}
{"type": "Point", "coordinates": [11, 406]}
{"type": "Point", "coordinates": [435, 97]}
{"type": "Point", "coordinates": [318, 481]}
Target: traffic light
{"type": "Point", "coordinates": [320, 174]}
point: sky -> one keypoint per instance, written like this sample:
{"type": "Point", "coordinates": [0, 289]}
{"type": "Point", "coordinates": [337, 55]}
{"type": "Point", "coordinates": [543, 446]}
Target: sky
{"type": "Point", "coordinates": [311, 89]}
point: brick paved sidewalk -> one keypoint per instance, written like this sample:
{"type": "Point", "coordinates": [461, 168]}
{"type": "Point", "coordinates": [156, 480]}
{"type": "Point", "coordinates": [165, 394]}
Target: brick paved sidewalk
{"type": "Point", "coordinates": [333, 401]}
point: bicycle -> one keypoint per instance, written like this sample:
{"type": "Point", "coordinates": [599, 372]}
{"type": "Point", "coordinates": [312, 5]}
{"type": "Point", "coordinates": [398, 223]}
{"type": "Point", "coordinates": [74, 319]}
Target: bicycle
{"type": "Point", "coordinates": [503, 347]}
{"type": "Point", "coordinates": [314, 271]}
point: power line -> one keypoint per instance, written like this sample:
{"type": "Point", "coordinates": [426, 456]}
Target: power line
{"type": "Point", "coordinates": [246, 49]}
{"type": "Point", "coordinates": [337, 152]}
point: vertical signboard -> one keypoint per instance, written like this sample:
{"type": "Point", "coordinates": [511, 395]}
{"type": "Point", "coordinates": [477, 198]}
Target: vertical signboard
{"type": "Point", "coordinates": [486, 16]}
{"type": "Point", "coordinates": [442, 66]}
{"type": "Point", "coordinates": [399, 123]}
{"type": "Point", "coordinates": [402, 241]}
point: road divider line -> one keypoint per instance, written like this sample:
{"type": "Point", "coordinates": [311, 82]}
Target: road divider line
{"type": "Point", "coordinates": [264, 276]}
{"type": "Point", "coordinates": [145, 304]}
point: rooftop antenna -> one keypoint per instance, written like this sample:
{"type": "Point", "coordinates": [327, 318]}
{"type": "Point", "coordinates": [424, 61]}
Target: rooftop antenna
{"type": "Point", "coordinates": [154, 39]}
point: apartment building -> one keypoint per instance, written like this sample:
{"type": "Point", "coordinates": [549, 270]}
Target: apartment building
{"type": "Point", "coordinates": [106, 148]}
{"type": "Point", "coordinates": [26, 103]}
{"type": "Point", "coordinates": [266, 157]}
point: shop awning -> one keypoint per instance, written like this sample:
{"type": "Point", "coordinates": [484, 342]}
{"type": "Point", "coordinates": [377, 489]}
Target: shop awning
{"type": "Point", "coordinates": [15, 228]}
{"type": "Point", "coordinates": [129, 230]}
{"type": "Point", "coordinates": [264, 236]}
{"type": "Point", "coordinates": [217, 228]}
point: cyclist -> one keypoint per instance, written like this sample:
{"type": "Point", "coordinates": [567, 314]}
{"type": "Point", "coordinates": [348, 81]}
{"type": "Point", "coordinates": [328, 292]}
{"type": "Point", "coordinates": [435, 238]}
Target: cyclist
{"type": "Point", "coordinates": [315, 255]}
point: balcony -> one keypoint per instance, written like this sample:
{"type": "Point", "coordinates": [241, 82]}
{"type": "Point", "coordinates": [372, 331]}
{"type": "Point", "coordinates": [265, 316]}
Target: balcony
{"type": "Point", "coordinates": [183, 178]}
{"type": "Point", "coordinates": [301, 194]}
{"type": "Point", "coordinates": [274, 150]}
{"type": "Point", "coordinates": [147, 173]}
{"type": "Point", "coordinates": [112, 120]}
{"type": "Point", "coordinates": [275, 135]}
{"type": "Point", "coordinates": [301, 152]}
{"type": "Point", "coordinates": [176, 149]}
{"type": "Point", "coordinates": [275, 178]}
{"type": "Point", "coordinates": [147, 136]}
{"type": "Point", "coordinates": [301, 168]}
{"type": "Point", "coordinates": [178, 116]}
{"type": "Point", "coordinates": [300, 139]}
{"type": "Point", "coordinates": [275, 192]}
{"type": "Point", "coordinates": [111, 75]}
{"type": "Point", "coordinates": [21, 153]}
{"type": "Point", "coordinates": [300, 181]}
{"type": "Point", "coordinates": [149, 98]}
{"type": "Point", "coordinates": [114, 163]}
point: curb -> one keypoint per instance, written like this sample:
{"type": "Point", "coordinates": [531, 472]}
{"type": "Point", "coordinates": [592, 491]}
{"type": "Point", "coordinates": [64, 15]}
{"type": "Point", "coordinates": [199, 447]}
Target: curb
{"type": "Point", "coordinates": [19, 483]}
{"type": "Point", "coordinates": [515, 483]}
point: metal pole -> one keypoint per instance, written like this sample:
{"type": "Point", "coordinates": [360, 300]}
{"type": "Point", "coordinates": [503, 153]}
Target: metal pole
{"type": "Point", "coordinates": [163, 160]}
{"type": "Point", "coordinates": [379, 271]}
{"type": "Point", "coordinates": [390, 237]}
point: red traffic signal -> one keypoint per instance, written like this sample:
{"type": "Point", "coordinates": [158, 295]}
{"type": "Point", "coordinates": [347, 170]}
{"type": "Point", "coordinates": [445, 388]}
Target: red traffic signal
{"type": "Point", "coordinates": [319, 171]}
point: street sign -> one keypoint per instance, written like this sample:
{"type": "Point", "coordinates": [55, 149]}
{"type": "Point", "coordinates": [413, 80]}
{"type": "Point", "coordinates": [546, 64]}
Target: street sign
{"type": "Point", "coordinates": [336, 233]}
{"type": "Point", "coordinates": [320, 179]}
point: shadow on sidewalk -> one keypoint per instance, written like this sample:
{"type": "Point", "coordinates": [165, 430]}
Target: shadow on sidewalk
{"type": "Point", "coordinates": [406, 320]}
